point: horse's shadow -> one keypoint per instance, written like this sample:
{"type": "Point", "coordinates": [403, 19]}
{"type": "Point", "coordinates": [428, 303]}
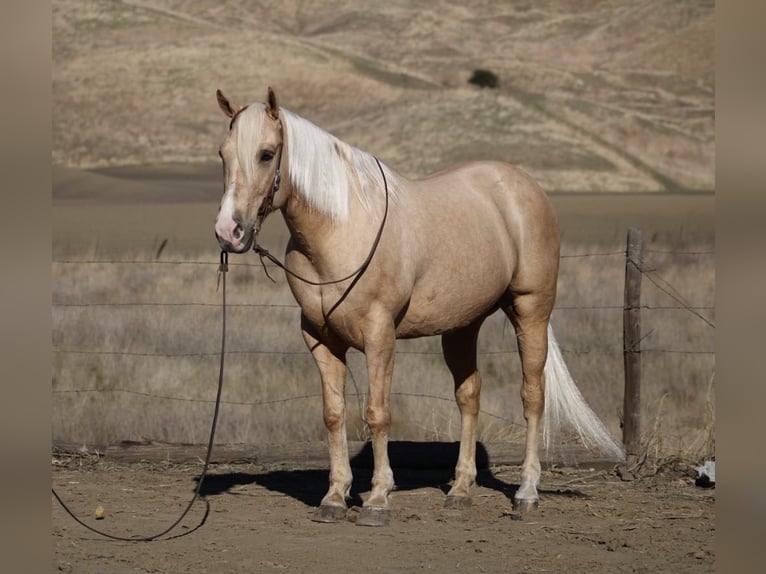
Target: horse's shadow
{"type": "Point", "coordinates": [415, 464]}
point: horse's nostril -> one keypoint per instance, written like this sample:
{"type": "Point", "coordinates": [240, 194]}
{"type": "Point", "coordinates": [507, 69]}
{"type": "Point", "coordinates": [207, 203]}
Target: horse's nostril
{"type": "Point", "coordinates": [238, 232]}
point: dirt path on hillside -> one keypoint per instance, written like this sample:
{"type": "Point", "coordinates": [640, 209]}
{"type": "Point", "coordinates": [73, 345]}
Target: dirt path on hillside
{"type": "Point", "coordinates": [258, 521]}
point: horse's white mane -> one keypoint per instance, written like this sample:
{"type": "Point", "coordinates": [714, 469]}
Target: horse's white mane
{"type": "Point", "coordinates": [324, 170]}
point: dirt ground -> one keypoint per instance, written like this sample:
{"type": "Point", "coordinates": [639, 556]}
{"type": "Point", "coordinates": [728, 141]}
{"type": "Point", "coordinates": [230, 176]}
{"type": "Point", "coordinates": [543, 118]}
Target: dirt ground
{"type": "Point", "coordinates": [259, 521]}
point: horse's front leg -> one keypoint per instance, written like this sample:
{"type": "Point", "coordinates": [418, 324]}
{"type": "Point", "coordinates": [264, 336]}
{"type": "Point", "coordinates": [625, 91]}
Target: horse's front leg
{"type": "Point", "coordinates": [379, 347]}
{"type": "Point", "coordinates": [331, 360]}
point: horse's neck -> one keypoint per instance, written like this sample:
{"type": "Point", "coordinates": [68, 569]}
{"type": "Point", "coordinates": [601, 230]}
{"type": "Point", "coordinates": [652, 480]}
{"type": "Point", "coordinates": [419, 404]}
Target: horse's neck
{"type": "Point", "coordinates": [327, 242]}
{"type": "Point", "coordinates": [309, 228]}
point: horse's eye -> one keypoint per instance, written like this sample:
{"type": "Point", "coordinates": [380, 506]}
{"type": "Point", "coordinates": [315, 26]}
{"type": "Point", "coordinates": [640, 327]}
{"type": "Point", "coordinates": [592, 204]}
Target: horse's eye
{"type": "Point", "coordinates": [267, 155]}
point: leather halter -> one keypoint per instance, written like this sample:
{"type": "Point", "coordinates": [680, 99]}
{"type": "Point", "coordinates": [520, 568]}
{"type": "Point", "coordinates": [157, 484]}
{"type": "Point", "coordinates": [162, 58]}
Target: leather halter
{"type": "Point", "coordinates": [268, 200]}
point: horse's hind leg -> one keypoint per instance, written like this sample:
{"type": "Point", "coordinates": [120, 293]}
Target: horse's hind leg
{"type": "Point", "coordinates": [530, 314]}
{"type": "Point", "coordinates": [332, 369]}
{"type": "Point", "coordinates": [459, 348]}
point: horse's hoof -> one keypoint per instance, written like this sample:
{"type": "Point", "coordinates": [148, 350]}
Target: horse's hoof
{"type": "Point", "coordinates": [373, 516]}
{"type": "Point", "coordinates": [457, 502]}
{"type": "Point", "coordinates": [329, 513]}
{"type": "Point", "coordinates": [525, 504]}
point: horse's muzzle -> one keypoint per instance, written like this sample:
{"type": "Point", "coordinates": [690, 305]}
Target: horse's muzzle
{"type": "Point", "coordinates": [240, 240]}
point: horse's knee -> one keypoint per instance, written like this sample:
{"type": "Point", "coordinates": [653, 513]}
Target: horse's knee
{"type": "Point", "coordinates": [467, 394]}
{"type": "Point", "coordinates": [334, 412]}
{"type": "Point", "coordinates": [334, 419]}
{"type": "Point", "coordinates": [378, 418]}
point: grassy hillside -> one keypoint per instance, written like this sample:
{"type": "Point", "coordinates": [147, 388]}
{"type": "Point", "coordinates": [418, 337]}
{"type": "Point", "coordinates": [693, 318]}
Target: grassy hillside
{"type": "Point", "coordinates": [593, 95]}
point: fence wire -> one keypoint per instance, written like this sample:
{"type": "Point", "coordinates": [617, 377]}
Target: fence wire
{"type": "Point", "coordinates": [680, 303]}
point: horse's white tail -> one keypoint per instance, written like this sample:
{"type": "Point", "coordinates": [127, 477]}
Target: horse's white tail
{"type": "Point", "coordinates": [565, 404]}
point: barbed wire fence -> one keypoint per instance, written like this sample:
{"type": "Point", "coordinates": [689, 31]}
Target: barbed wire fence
{"type": "Point", "coordinates": [664, 296]}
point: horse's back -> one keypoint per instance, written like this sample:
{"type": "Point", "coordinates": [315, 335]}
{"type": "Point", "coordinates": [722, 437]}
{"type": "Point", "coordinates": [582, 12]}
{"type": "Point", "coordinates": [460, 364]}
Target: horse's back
{"type": "Point", "coordinates": [498, 197]}
{"type": "Point", "coordinates": [508, 186]}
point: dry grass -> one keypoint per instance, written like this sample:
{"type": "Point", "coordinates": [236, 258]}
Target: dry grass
{"type": "Point", "coordinates": [160, 381]}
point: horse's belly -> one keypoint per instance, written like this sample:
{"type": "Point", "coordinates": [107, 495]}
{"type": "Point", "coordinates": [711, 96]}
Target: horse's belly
{"type": "Point", "coordinates": [447, 307]}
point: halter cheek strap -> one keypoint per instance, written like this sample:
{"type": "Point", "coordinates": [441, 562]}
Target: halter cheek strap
{"type": "Point", "coordinates": [268, 201]}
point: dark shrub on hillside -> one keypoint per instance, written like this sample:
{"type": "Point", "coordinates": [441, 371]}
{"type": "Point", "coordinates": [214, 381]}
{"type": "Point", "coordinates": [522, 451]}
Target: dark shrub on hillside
{"type": "Point", "coordinates": [484, 79]}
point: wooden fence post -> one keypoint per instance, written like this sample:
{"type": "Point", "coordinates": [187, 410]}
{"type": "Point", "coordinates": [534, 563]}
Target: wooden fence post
{"type": "Point", "coordinates": [631, 323]}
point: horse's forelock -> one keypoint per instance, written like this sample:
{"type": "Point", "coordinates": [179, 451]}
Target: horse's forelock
{"type": "Point", "coordinates": [249, 135]}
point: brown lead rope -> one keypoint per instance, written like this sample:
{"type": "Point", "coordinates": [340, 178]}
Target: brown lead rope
{"type": "Point", "coordinates": [222, 269]}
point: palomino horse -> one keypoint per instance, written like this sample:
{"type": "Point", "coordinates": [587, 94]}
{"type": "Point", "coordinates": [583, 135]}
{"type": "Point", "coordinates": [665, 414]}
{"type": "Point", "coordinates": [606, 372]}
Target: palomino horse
{"type": "Point", "coordinates": [438, 255]}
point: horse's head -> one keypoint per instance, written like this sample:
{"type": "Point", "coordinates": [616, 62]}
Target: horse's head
{"type": "Point", "coordinates": [251, 154]}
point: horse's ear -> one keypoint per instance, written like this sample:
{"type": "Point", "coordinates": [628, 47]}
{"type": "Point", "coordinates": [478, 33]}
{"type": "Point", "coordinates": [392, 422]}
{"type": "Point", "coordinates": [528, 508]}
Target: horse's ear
{"type": "Point", "coordinates": [272, 105]}
{"type": "Point", "coordinates": [228, 109]}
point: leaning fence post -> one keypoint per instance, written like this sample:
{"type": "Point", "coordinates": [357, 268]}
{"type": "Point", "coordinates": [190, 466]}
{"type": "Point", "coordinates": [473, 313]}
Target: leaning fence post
{"type": "Point", "coordinates": [631, 323]}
